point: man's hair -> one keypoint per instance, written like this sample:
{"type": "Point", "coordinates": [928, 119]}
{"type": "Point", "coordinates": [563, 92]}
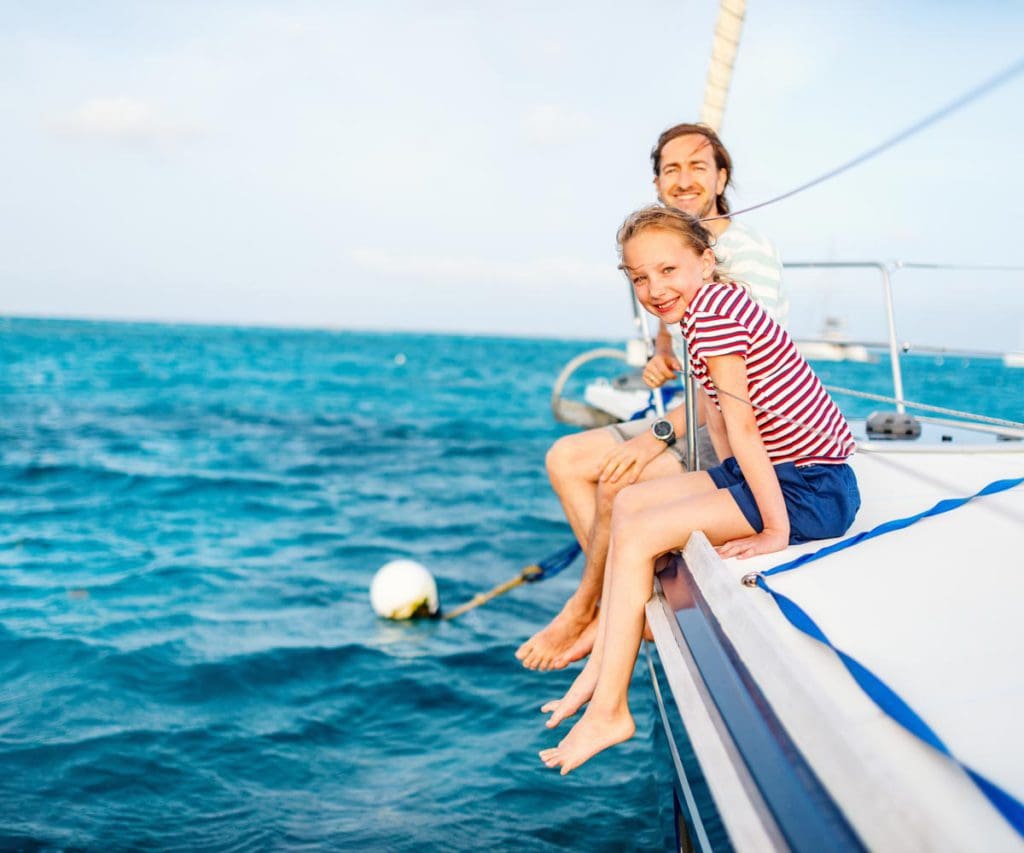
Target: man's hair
{"type": "Point", "coordinates": [722, 158]}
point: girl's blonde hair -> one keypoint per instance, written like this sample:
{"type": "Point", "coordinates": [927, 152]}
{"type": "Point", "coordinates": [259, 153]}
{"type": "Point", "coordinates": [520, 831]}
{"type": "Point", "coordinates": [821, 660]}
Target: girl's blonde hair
{"type": "Point", "coordinates": [655, 217]}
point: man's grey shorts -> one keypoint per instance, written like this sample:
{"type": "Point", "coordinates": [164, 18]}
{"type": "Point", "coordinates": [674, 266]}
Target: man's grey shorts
{"type": "Point", "coordinates": [705, 449]}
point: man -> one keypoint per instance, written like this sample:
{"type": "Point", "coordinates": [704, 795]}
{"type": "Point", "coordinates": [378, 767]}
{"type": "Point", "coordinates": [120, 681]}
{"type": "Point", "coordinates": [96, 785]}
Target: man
{"type": "Point", "coordinates": [692, 170]}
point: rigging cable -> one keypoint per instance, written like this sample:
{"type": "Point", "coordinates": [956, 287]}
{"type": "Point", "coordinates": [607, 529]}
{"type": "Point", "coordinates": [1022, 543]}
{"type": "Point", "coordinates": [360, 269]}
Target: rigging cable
{"type": "Point", "coordinates": [924, 407]}
{"type": "Point", "coordinates": [952, 107]}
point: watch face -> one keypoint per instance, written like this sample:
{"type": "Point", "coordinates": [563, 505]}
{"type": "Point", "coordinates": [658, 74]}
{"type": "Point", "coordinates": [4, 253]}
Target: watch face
{"type": "Point", "coordinates": [662, 430]}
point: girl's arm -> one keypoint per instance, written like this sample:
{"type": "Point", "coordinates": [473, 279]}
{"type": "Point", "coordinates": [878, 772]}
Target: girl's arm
{"type": "Point", "coordinates": [729, 373]}
{"type": "Point", "coordinates": [716, 425]}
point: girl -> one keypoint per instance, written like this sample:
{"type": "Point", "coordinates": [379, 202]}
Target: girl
{"type": "Point", "coordinates": [784, 479]}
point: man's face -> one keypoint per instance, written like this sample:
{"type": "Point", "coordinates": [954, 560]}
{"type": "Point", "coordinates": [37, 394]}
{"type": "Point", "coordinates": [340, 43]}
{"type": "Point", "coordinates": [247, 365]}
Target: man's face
{"type": "Point", "coordinates": [688, 179]}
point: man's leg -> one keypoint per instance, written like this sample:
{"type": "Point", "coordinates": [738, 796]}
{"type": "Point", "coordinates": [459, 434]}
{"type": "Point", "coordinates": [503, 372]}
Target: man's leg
{"type": "Point", "coordinates": [574, 469]}
{"type": "Point", "coordinates": [573, 465]}
{"type": "Point", "coordinates": [665, 465]}
{"type": "Point", "coordinates": [664, 490]}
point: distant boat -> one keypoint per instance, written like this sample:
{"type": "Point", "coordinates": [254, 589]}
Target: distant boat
{"type": "Point", "coordinates": [834, 345]}
{"type": "Point", "coordinates": [1013, 359]}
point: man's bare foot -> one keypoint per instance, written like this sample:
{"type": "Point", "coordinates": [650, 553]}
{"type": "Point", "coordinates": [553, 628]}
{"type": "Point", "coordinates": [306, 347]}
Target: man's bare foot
{"type": "Point", "coordinates": [580, 649]}
{"type": "Point", "coordinates": [575, 697]}
{"type": "Point", "coordinates": [551, 644]}
{"type": "Point", "coordinates": [596, 731]}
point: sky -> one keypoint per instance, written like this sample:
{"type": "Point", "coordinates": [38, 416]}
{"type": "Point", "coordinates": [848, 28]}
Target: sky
{"type": "Point", "coordinates": [458, 166]}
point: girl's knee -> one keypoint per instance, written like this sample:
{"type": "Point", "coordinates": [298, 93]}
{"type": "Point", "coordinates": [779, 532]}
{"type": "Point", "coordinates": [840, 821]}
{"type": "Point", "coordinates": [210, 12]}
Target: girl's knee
{"type": "Point", "coordinates": [626, 501]}
{"type": "Point", "coordinates": [626, 514]}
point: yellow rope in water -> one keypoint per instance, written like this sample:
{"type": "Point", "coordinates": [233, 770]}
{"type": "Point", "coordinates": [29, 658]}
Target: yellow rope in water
{"type": "Point", "coordinates": [523, 577]}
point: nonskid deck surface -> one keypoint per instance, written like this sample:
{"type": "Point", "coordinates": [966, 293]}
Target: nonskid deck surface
{"type": "Point", "coordinates": [933, 610]}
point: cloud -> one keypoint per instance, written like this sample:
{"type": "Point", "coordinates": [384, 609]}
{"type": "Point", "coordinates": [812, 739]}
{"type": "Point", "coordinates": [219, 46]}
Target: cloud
{"type": "Point", "coordinates": [543, 271]}
{"type": "Point", "coordinates": [550, 124]}
{"type": "Point", "coordinates": [121, 119]}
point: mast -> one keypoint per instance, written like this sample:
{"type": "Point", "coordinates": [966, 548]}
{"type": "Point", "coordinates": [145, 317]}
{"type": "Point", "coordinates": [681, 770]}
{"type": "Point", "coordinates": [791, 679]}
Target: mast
{"type": "Point", "coordinates": [723, 55]}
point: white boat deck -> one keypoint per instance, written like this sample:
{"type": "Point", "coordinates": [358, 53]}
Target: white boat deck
{"type": "Point", "coordinates": [935, 611]}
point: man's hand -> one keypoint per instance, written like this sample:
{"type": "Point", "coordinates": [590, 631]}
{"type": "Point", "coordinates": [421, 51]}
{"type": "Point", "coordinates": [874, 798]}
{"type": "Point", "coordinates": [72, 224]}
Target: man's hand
{"type": "Point", "coordinates": [766, 542]}
{"type": "Point", "coordinates": [660, 369]}
{"type": "Point", "coordinates": [628, 459]}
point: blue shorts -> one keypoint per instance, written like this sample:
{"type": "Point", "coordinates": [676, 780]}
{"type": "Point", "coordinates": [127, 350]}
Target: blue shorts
{"type": "Point", "coordinates": [821, 500]}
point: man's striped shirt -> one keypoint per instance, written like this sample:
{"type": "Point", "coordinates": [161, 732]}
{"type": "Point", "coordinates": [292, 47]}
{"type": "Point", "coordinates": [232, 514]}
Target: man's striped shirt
{"type": "Point", "coordinates": [748, 257]}
{"type": "Point", "coordinates": [745, 255]}
{"type": "Point", "coordinates": [797, 419]}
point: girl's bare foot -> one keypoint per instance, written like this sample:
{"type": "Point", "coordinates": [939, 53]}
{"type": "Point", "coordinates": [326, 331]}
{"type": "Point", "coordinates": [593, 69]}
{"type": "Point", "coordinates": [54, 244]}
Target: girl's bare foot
{"type": "Point", "coordinates": [595, 732]}
{"type": "Point", "coordinates": [575, 698]}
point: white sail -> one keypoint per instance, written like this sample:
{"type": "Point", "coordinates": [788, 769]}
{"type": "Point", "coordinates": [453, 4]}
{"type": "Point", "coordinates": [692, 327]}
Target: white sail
{"type": "Point", "coordinates": [723, 55]}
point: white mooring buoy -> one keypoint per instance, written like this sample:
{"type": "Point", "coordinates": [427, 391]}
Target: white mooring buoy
{"type": "Point", "coordinates": [403, 589]}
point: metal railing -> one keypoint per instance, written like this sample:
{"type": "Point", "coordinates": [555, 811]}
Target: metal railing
{"type": "Point", "coordinates": [893, 345]}
{"type": "Point", "coordinates": [890, 311]}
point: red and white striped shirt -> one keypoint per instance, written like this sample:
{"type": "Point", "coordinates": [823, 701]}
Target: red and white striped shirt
{"type": "Point", "coordinates": [797, 419]}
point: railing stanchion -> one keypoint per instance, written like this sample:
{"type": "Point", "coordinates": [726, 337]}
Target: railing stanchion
{"type": "Point", "coordinates": [690, 384]}
{"type": "Point", "coordinates": [890, 311]}
{"type": "Point", "coordinates": [894, 347]}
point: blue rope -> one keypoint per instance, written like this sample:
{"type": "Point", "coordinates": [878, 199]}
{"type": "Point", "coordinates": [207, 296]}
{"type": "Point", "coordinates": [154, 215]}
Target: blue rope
{"type": "Point", "coordinates": [877, 690]}
{"type": "Point", "coordinates": [553, 563]}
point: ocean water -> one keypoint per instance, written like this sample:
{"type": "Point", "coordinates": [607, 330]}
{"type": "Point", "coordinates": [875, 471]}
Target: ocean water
{"type": "Point", "coordinates": [190, 519]}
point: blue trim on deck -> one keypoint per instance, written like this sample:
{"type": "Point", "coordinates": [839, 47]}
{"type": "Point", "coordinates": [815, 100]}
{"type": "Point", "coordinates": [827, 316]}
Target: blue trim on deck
{"type": "Point", "coordinates": [877, 690]}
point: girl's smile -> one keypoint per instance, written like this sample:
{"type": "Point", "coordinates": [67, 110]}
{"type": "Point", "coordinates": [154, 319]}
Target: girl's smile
{"type": "Point", "coordinates": [666, 273]}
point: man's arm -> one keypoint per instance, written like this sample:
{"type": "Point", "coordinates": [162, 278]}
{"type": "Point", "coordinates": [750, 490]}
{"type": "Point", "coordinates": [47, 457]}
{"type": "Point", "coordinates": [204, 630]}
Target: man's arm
{"type": "Point", "coordinates": [663, 365]}
{"type": "Point", "coordinates": [663, 342]}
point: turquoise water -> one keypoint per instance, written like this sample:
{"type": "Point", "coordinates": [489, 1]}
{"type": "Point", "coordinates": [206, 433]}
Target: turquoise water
{"type": "Point", "coordinates": [191, 520]}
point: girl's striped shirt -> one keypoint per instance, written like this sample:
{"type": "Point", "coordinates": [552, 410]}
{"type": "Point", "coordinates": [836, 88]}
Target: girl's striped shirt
{"type": "Point", "coordinates": [797, 419]}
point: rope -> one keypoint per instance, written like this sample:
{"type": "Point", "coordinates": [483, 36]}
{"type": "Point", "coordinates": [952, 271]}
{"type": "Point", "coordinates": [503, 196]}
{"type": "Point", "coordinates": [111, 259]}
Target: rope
{"type": "Point", "coordinates": [925, 407]}
{"type": "Point", "coordinates": [546, 568]}
{"type": "Point", "coordinates": [877, 690]}
{"type": "Point", "coordinates": [918, 126]}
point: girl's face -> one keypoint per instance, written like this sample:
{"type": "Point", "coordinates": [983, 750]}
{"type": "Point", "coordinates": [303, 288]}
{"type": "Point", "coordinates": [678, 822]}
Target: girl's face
{"type": "Point", "coordinates": [666, 273]}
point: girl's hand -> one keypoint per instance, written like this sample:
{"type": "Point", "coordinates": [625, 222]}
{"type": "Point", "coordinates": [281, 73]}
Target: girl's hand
{"type": "Point", "coordinates": [765, 542]}
{"type": "Point", "coordinates": [660, 370]}
{"type": "Point", "coordinates": [630, 458]}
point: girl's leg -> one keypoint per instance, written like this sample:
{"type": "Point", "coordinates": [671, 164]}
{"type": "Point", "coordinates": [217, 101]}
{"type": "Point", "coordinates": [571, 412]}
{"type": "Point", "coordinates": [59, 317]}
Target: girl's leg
{"type": "Point", "coordinates": [650, 494]}
{"type": "Point", "coordinates": [641, 532]}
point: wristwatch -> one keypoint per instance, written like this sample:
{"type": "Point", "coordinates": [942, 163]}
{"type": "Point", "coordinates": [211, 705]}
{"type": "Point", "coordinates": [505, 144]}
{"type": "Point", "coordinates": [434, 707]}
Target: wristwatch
{"type": "Point", "coordinates": [663, 430]}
